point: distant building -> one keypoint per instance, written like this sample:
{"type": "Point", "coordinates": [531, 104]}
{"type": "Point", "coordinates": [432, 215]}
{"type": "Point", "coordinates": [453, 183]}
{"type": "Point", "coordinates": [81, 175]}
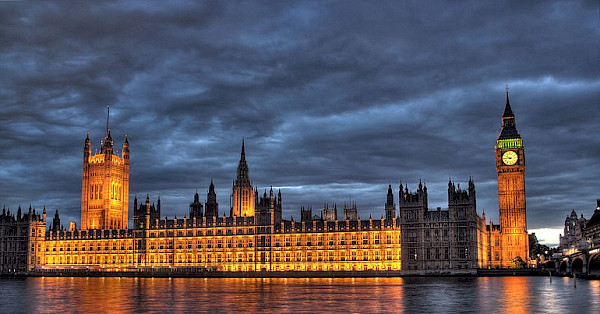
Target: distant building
{"type": "Point", "coordinates": [573, 237]}
{"type": "Point", "coordinates": [329, 214]}
{"type": "Point", "coordinates": [580, 245]}
{"type": "Point", "coordinates": [592, 229]}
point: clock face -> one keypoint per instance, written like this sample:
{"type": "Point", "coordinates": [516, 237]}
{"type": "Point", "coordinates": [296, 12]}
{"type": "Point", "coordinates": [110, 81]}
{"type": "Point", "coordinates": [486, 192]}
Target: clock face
{"type": "Point", "coordinates": [510, 158]}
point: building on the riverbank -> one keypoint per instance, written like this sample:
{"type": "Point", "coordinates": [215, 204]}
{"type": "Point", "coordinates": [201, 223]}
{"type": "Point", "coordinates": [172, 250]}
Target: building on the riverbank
{"type": "Point", "coordinates": [105, 185]}
{"type": "Point", "coordinates": [592, 228]}
{"type": "Point", "coordinates": [573, 237]}
{"type": "Point", "coordinates": [255, 237]}
{"type": "Point", "coordinates": [580, 245]}
{"type": "Point", "coordinates": [240, 242]}
{"type": "Point", "coordinates": [441, 241]}
{"type": "Point", "coordinates": [22, 239]}
{"type": "Point", "coordinates": [510, 167]}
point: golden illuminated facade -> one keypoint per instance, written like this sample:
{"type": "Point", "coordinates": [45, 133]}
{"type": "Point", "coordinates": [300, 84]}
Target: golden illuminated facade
{"type": "Point", "coordinates": [510, 166]}
{"type": "Point", "coordinates": [105, 186]}
{"type": "Point", "coordinates": [260, 242]}
{"type": "Point", "coordinates": [255, 237]}
{"type": "Point", "coordinates": [230, 244]}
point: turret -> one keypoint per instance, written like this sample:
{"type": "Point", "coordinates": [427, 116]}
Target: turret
{"type": "Point", "coordinates": [56, 222]}
{"type": "Point", "coordinates": [305, 214]}
{"type": "Point", "coordinates": [196, 210]}
{"type": "Point", "coordinates": [212, 207]}
{"type": "Point", "coordinates": [158, 206]}
{"type": "Point", "coordinates": [457, 196]}
{"type": "Point", "coordinates": [408, 199]}
{"type": "Point", "coordinates": [147, 207]}
{"type": "Point", "coordinates": [107, 145]}
{"type": "Point", "coordinates": [87, 148]}
{"type": "Point", "coordinates": [126, 150]}
{"type": "Point", "coordinates": [390, 207]}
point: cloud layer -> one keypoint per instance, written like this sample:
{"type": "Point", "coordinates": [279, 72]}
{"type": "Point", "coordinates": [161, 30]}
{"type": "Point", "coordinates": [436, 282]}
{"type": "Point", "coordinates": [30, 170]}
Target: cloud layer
{"type": "Point", "coordinates": [335, 99]}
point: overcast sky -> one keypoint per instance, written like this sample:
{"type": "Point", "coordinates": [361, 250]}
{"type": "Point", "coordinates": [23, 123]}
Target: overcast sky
{"type": "Point", "coordinates": [336, 99]}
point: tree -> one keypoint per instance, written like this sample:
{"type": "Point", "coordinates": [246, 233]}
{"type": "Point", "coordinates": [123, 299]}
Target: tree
{"type": "Point", "coordinates": [535, 247]}
{"type": "Point", "coordinates": [517, 263]}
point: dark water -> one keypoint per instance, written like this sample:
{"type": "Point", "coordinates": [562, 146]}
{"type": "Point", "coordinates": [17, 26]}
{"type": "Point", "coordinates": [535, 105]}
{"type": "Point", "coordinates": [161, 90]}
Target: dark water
{"type": "Point", "coordinates": [432, 295]}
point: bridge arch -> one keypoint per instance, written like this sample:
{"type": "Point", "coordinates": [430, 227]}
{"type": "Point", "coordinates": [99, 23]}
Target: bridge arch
{"type": "Point", "coordinates": [577, 266]}
{"type": "Point", "coordinates": [594, 265]}
{"type": "Point", "coordinates": [563, 267]}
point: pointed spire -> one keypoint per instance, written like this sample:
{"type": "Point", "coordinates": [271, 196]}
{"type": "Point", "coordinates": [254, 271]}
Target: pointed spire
{"type": "Point", "coordinates": [507, 110]}
{"type": "Point", "coordinates": [107, 118]}
{"type": "Point", "coordinates": [243, 155]}
{"type": "Point", "coordinates": [509, 127]}
{"type": "Point", "coordinates": [243, 178]}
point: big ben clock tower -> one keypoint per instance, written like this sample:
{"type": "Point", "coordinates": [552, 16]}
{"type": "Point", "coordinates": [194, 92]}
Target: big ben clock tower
{"type": "Point", "coordinates": [510, 166]}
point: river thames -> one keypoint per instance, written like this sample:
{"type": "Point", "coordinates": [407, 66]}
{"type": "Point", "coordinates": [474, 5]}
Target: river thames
{"type": "Point", "coordinates": [436, 295]}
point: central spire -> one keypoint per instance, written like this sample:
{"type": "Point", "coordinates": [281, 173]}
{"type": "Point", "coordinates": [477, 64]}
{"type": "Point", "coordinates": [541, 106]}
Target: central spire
{"type": "Point", "coordinates": [242, 196]}
{"type": "Point", "coordinates": [243, 178]}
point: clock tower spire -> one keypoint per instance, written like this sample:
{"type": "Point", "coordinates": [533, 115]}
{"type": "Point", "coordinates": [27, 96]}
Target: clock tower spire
{"type": "Point", "coordinates": [510, 167]}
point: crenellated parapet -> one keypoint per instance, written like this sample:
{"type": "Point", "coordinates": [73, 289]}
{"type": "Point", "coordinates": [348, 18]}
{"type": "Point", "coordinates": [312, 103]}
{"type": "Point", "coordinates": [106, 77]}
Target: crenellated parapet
{"type": "Point", "coordinates": [416, 199]}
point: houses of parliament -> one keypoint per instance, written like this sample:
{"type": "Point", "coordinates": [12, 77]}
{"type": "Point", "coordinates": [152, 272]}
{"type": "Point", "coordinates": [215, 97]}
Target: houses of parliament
{"type": "Point", "coordinates": [410, 237]}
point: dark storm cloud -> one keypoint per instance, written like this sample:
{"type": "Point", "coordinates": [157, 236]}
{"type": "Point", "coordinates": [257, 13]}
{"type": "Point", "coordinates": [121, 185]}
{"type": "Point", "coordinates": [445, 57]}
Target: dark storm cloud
{"type": "Point", "coordinates": [335, 99]}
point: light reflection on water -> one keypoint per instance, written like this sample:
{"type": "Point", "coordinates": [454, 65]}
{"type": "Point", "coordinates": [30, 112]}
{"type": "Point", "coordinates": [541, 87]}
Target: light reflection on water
{"type": "Point", "coordinates": [437, 295]}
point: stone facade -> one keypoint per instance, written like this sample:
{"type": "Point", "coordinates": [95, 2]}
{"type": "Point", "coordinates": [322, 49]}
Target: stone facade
{"type": "Point", "coordinates": [441, 241]}
{"type": "Point", "coordinates": [256, 237]}
{"type": "Point", "coordinates": [21, 240]}
{"type": "Point", "coordinates": [573, 237]}
{"type": "Point", "coordinates": [510, 167]}
{"type": "Point", "coordinates": [105, 185]}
